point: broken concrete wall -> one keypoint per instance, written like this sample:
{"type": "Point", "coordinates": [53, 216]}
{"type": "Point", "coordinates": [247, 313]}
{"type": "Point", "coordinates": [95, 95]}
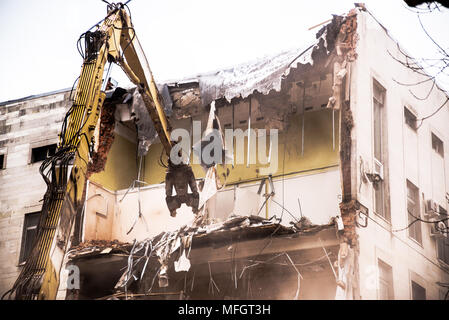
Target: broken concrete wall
{"type": "Point", "coordinates": [307, 154]}
{"type": "Point", "coordinates": [104, 139]}
{"type": "Point", "coordinates": [345, 45]}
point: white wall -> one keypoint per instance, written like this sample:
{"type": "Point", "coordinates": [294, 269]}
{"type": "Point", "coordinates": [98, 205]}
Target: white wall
{"type": "Point", "coordinates": [409, 157]}
{"type": "Point", "coordinates": [156, 217]}
{"type": "Point", "coordinates": [311, 189]}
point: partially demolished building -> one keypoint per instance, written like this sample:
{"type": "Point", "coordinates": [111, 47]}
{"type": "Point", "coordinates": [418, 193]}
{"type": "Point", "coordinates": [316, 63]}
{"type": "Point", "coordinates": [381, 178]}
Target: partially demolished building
{"type": "Point", "coordinates": [330, 214]}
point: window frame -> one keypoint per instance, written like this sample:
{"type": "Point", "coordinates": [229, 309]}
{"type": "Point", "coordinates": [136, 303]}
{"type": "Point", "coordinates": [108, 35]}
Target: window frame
{"type": "Point", "coordinates": [443, 242]}
{"type": "Point", "coordinates": [412, 281]}
{"type": "Point", "coordinates": [2, 161]}
{"type": "Point", "coordinates": [389, 283]}
{"type": "Point", "coordinates": [419, 280]}
{"type": "Point", "coordinates": [417, 203]}
{"type": "Point", "coordinates": [381, 186]}
{"type": "Point", "coordinates": [408, 113]}
{"type": "Point", "coordinates": [27, 225]}
{"type": "Point", "coordinates": [435, 137]}
{"type": "Point", "coordinates": [39, 146]}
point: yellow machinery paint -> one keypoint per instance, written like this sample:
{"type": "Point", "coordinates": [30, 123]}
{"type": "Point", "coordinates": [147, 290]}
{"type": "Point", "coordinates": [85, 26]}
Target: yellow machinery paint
{"type": "Point", "coordinates": [40, 271]}
{"type": "Point", "coordinates": [66, 178]}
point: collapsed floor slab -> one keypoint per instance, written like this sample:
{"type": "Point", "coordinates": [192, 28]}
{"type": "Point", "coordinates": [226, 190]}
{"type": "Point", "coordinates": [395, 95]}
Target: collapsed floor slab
{"type": "Point", "coordinates": [246, 245]}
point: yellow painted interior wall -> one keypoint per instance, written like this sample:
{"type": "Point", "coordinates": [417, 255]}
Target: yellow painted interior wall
{"type": "Point", "coordinates": [318, 150]}
{"type": "Point", "coordinates": [121, 167]}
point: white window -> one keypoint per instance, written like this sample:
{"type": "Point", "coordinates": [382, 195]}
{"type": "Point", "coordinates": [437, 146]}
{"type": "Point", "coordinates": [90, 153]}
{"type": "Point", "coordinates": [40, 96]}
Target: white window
{"type": "Point", "coordinates": [28, 235]}
{"type": "Point", "coordinates": [414, 212]}
{"type": "Point", "coordinates": [443, 242]}
{"type": "Point", "coordinates": [385, 281]}
{"type": "Point", "coordinates": [438, 169]}
{"type": "Point", "coordinates": [380, 206]}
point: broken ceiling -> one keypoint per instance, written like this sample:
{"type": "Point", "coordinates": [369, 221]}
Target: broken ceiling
{"type": "Point", "coordinates": [260, 77]}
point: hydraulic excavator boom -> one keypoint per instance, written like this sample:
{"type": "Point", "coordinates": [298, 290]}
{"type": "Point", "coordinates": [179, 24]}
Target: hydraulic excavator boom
{"type": "Point", "coordinates": [113, 41]}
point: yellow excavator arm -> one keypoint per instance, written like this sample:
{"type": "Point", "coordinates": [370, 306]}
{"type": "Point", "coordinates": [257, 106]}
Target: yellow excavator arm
{"type": "Point", "coordinates": [65, 173]}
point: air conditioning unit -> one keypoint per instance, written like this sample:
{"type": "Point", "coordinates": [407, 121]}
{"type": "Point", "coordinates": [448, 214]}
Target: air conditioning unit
{"type": "Point", "coordinates": [431, 210]}
{"type": "Point", "coordinates": [378, 169]}
{"type": "Point", "coordinates": [438, 230]}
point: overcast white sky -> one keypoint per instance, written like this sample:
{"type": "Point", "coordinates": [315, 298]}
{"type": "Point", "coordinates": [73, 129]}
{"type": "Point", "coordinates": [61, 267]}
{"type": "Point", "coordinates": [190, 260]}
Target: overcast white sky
{"type": "Point", "coordinates": [181, 38]}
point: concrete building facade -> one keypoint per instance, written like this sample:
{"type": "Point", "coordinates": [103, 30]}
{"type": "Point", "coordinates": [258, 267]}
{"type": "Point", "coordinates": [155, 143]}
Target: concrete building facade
{"type": "Point", "coordinates": [415, 168]}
